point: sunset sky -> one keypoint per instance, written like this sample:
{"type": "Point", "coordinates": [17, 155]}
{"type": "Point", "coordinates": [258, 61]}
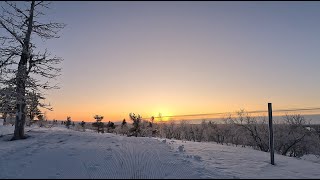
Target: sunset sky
{"type": "Point", "coordinates": [184, 57]}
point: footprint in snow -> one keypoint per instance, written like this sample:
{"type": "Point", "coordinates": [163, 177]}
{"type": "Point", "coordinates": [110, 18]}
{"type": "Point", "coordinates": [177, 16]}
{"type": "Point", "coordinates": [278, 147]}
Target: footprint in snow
{"type": "Point", "coordinates": [23, 165]}
{"type": "Point", "coordinates": [93, 167]}
{"type": "Point", "coordinates": [197, 158]}
{"type": "Point", "coordinates": [71, 154]}
{"type": "Point", "coordinates": [107, 158]}
{"type": "Point", "coordinates": [181, 148]}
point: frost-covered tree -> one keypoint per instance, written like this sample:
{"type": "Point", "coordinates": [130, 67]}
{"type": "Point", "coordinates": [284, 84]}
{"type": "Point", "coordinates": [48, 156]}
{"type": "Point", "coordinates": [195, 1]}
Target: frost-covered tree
{"type": "Point", "coordinates": [136, 129]}
{"type": "Point", "coordinates": [110, 127]}
{"type": "Point", "coordinates": [210, 132]}
{"type": "Point", "coordinates": [41, 119]}
{"type": "Point", "coordinates": [291, 137]}
{"type": "Point", "coordinates": [146, 129]}
{"type": "Point", "coordinates": [82, 124]}
{"type": "Point", "coordinates": [124, 123]}
{"type": "Point", "coordinates": [21, 23]}
{"type": "Point", "coordinates": [123, 128]}
{"type": "Point", "coordinates": [33, 105]}
{"type": "Point", "coordinates": [256, 130]}
{"type": "Point", "coordinates": [7, 103]}
{"type": "Point", "coordinates": [184, 130]}
{"type": "Point", "coordinates": [98, 123]}
{"type": "Point", "coordinates": [199, 131]}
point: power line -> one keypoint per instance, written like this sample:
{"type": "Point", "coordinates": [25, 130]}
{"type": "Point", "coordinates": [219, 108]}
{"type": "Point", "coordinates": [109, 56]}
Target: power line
{"type": "Point", "coordinates": [302, 109]}
{"type": "Point", "coordinates": [249, 112]}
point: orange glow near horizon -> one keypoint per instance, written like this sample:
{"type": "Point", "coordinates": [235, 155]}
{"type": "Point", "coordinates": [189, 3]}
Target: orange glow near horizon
{"type": "Point", "coordinates": [116, 115]}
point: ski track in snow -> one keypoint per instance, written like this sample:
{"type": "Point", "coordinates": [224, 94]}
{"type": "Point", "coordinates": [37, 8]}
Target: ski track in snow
{"type": "Point", "coordinates": [71, 154]}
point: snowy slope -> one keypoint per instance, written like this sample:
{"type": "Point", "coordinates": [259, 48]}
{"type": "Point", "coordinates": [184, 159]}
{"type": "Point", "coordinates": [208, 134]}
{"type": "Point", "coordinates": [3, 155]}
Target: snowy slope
{"type": "Point", "coordinates": [61, 153]}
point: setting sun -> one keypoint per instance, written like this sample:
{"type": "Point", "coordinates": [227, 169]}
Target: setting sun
{"type": "Point", "coordinates": [161, 114]}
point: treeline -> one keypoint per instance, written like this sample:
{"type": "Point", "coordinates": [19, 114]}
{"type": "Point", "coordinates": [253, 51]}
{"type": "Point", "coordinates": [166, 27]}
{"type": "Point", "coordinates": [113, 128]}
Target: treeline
{"type": "Point", "coordinates": [293, 137]}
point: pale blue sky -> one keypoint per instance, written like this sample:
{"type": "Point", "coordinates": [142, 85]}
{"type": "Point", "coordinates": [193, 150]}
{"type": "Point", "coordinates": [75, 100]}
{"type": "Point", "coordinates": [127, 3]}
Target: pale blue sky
{"type": "Point", "coordinates": [185, 57]}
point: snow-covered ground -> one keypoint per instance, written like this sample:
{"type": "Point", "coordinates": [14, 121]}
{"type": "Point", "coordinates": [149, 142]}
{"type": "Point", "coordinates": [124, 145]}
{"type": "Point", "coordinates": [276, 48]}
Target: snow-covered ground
{"type": "Point", "coordinates": [244, 162]}
{"type": "Point", "coordinates": [64, 153]}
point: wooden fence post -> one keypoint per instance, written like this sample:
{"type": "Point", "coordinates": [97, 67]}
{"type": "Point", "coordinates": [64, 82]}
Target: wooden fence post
{"type": "Point", "coordinates": [271, 148]}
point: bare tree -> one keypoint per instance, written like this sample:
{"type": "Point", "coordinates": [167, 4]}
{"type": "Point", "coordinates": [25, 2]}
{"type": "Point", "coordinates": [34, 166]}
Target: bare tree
{"type": "Point", "coordinates": [256, 130]}
{"type": "Point", "coordinates": [292, 138]}
{"type": "Point", "coordinates": [21, 23]}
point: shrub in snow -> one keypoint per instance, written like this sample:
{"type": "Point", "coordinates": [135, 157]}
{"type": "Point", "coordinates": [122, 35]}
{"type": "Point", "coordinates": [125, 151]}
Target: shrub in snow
{"type": "Point", "coordinates": [255, 130]}
{"type": "Point", "coordinates": [124, 123]}
{"type": "Point", "coordinates": [68, 122]}
{"type": "Point", "coordinates": [293, 139]}
{"type": "Point", "coordinates": [41, 121]}
{"type": "Point", "coordinates": [98, 124]}
{"type": "Point", "coordinates": [110, 127]}
{"type": "Point", "coordinates": [135, 130]}
{"type": "Point", "coordinates": [181, 148]}
{"type": "Point", "coordinates": [146, 129]}
{"type": "Point", "coordinates": [122, 128]}
{"type": "Point", "coordinates": [169, 130]}
{"type": "Point", "coordinates": [82, 124]}
{"type": "Point", "coordinates": [197, 158]}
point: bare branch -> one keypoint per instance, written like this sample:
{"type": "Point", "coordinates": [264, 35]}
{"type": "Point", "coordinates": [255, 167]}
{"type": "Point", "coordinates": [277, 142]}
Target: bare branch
{"type": "Point", "coordinates": [12, 33]}
{"type": "Point", "coordinates": [14, 6]}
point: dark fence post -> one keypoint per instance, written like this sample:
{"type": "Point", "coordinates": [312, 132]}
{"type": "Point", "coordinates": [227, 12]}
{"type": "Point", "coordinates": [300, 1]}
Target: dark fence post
{"type": "Point", "coordinates": [271, 148]}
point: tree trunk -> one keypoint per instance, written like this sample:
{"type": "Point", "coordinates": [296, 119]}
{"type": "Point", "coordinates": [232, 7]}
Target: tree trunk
{"type": "Point", "coordinates": [21, 81]}
{"type": "Point", "coordinates": [21, 101]}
